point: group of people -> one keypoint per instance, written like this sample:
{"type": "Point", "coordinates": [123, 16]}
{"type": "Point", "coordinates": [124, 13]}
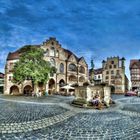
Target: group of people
{"type": "Point", "coordinates": [98, 102]}
{"type": "Point", "coordinates": [38, 94]}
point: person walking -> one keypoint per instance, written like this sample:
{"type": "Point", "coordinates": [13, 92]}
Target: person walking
{"type": "Point", "coordinates": [40, 94]}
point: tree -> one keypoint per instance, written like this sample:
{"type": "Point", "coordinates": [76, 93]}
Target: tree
{"type": "Point", "coordinates": [32, 66]}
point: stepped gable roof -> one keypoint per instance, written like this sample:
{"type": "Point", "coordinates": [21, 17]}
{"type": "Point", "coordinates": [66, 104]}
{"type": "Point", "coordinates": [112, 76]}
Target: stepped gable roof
{"type": "Point", "coordinates": [16, 54]}
{"type": "Point", "coordinates": [134, 62]}
{"type": "Point", "coordinates": [52, 39]}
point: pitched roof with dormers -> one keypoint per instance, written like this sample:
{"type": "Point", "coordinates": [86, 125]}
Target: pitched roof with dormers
{"type": "Point", "coordinates": [16, 54]}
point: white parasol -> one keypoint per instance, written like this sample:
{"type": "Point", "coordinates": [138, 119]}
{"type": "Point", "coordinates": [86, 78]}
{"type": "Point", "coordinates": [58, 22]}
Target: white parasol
{"type": "Point", "coordinates": [67, 87]}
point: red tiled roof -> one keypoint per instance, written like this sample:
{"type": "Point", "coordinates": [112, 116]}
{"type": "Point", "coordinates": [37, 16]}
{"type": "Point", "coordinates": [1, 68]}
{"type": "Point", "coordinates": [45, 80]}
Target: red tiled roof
{"type": "Point", "coordinates": [134, 61]}
{"type": "Point", "coordinates": [16, 54]}
{"type": "Point", "coordinates": [12, 56]}
{"type": "Point", "coordinates": [1, 75]}
{"type": "Point", "coordinates": [97, 71]}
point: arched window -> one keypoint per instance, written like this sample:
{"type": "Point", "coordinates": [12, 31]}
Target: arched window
{"type": "Point", "coordinates": [72, 67]}
{"type": "Point", "coordinates": [81, 79]}
{"type": "Point", "coordinates": [57, 53]}
{"type": "Point", "coordinates": [46, 53]}
{"type": "Point", "coordinates": [82, 69]}
{"type": "Point", "coordinates": [14, 89]}
{"type": "Point", "coordinates": [61, 83]}
{"type": "Point", "coordinates": [61, 68]}
{"type": "Point", "coordinates": [52, 51]}
{"type": "Point", "coordinates": [72, 78]}
{"type": "Point", "coordinates": [52, 61]}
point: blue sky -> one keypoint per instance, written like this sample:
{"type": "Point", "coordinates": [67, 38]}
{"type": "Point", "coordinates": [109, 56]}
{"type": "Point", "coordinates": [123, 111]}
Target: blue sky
{"type": "Point", "coordinates": [91, 28]}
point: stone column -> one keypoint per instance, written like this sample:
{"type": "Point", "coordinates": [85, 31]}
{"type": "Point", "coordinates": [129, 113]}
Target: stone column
{"type": "Point", "coordinates": [47, 87]}
{"type": "Point", "coordinates": [107, 95]}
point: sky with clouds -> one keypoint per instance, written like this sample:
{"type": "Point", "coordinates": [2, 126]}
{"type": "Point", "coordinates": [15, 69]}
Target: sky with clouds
{"type": "Point", "coordinates": [91, 28]}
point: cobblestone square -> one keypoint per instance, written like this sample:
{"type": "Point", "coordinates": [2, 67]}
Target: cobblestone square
{"type": "Point", "coordinates": [53, 118]}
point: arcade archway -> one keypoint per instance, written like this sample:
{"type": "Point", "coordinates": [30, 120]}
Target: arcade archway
{"type": "Point", "coordinates": [61, 83]}
{"type": "Point", "coordinates": [51, 86]}
{"type": "Point", "coordinates": [27, 90]}
{"type": "Point", "coordinates": [14, 90]}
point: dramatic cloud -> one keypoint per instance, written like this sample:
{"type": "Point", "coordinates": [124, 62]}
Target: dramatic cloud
{"type": "Point", "coordinates": [92, 28]}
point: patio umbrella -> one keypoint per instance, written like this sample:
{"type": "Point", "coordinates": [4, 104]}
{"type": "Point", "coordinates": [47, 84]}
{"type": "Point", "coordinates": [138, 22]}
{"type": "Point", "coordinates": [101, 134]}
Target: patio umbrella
{"type": "Point", "coordinates": [67, 87]}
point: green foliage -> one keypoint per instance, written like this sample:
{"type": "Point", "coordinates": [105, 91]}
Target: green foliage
{"type": "Point", "coordinates": [31, 65]}
{"type": "Point", "coordinates": [53, 70]}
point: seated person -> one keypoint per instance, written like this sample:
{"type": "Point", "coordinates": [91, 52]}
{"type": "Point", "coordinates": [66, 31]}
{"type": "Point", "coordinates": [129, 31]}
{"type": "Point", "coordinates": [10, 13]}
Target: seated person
{"type": "Point", "coordinates": [96, 100]}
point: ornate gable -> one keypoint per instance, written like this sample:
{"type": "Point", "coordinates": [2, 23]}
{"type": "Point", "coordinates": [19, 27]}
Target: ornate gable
{"type": "Point", "coordinates": [72, 58]}
{"type": "Point", "coordinates": [51, 42]}
{"type": "Point", "coordinates": [82, 61]}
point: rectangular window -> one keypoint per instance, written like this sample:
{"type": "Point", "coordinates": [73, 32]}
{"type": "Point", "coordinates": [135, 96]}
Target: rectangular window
{"type": "Point", "coordinates": [112, 81]}
{"type": "Point", "coordinates": [106, 77]}
{"type": "Point", "coordinates": [112, 62]}
{"type": "Point", "coordinates": [10, 78]}
{"type": "Point", "coordinates": [112, 72]}
{"type": "Point", "coordinates": [120, 63]}
{"type": "Point", "coordinates": [118, 71]}
{"type": "Point", "coordinates": [107, 72]}
{"type": "Point", "coordinates": [112, 77]}
{"type": "Point", "coordinates": [114, 66]}
{"type": "Point", "coordinates": [11, 66]}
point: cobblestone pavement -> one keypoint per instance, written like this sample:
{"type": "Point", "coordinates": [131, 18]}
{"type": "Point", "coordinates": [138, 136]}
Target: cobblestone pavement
{"type": "Point", "coordinates": [52, 118]}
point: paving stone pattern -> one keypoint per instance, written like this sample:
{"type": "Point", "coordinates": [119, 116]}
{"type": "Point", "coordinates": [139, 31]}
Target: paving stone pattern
{"type": "Point", "coordinates": [12, 112]}
{"type": "Point", "coordinates": [60, 121]}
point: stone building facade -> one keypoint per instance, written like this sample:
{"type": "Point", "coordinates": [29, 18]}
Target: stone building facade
{"type": "Point", "coordinates": [97, 75]}
{"type": "Point", "coordinates": [70, 69]}
{"type": "Point", "coordinates": [90, 91]}
{"type": "Point", "coordinates": [114, 74]}
{"type": "Point", "coordinates": [1, 82]}
{"type": "Point", "coordinates": [135, 73]}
